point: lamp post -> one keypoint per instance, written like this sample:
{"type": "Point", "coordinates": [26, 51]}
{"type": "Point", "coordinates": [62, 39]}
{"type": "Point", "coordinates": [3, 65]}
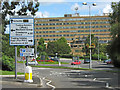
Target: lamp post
{"type": "Point", "coordinates": [98, 48]}
{"type": "Point", "coordinates": [94, 4]}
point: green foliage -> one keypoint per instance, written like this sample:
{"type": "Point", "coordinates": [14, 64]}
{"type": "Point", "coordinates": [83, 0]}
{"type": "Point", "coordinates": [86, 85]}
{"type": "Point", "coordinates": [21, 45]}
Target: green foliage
{"type": "Point", "coordinates": [7, 63]}
{"type": "Point", "coordinates": [101, 56]}
{"type": "Point", "coordinates": [10, 73]}
{"type": "Point", "coordinates": [103, 49]}
{"type": "Point", "coordinates": [6, 48]}
{"type": "Point", "coordinates": [38, 58]}
{"type": "Point", "coordinates": [114, 51]}
{"type": "Point", "coordinates": [86, 57]}
{"type": "Point", "coordinates": [95, 56]}
{"type": "Point", "coordinates": [41, 47]}
{"type": "Point", "coordinates": [115, 29]}
{"type": "Point", "coordinates": [9, 6]}
{"type": "Point", "coordinates": [94, 41]}
{"type": "Point", "coordinates": [45, 54]}
{"type": "Point", "coordinates": [8, 9]}
{"type": "Point", "coordinates": [66, 55]}
{"type": "Point", "coordinates": [60, 46]}
{"type": "Point", "coordinates": [113, 48]}
{"type": "Point", "coordinates": [52, 48]}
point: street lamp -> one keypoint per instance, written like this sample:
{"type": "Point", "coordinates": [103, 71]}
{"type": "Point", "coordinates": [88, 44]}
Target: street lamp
{"type": "Point", "coordinates": [94, 4]}
{"type": "Point", "coordinates": [98, 48]}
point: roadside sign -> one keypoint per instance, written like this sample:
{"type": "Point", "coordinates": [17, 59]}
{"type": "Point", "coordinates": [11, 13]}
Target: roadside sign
{"type": "Point", "coordinates": [26, 51]}
{"type": "Point", "coordinates": [21, 31]}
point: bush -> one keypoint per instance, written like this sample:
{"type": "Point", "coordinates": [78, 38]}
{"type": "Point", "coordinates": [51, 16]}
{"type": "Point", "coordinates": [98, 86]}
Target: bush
{"type": "Point", "coordinates": [65, 55]}
{"type": "Point", "coordinates": [86, 57]}
{"type": "Point", "coordinates": [103, 57]}
{"type": "Point", "coordinates": [8, 63]}
{"type": "Point", "coordinates": [95, 56]}
{"type": "Point", "coordinates": [38, 58]}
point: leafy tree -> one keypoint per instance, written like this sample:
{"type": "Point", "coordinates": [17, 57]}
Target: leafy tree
{"type": "Point", "coordinates": [41, 47]}
{"type": "Point", "coordinates": [8, 8]}
{"type": "Point", "coordinates": [52, 47]}
{"type": "Point", "coordinates": [94, 43]}
{"type": "Point", "coordinates": [103, 49]}
{"type": "Point", "coordinates": [114, 47]}
{"type": "Point", "coordinates": [60, 46]}
{"type": "Point", "coordinates": [7, 63]}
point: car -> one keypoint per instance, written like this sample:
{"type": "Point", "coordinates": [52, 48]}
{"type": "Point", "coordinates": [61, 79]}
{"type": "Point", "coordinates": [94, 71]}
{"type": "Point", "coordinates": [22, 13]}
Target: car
{"type": "Point", "coordinates": [109, 61]}
{"type": "Point", "coordinates": [33, 63]}
{"type": "Point", "coordinates": [76, 62]}
{"type": "Point", "coordinates": [55, 59]}
{"type": "Point", "coordinates": [86, 60]}
{"type": "Point", "coordinates": [105, 61]}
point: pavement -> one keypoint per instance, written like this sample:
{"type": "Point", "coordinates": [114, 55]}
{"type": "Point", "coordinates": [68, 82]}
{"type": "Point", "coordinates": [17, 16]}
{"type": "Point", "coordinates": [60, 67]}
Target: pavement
{"type": "Point", "coordinates": [9, 81]}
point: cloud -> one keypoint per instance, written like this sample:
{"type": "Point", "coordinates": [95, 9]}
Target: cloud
{"type": "Point", "coordinates": [41, 15]}
{"type": "Point", "coordinates": [107, 9]}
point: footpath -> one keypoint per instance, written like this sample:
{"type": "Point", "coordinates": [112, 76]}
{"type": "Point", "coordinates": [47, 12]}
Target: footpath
{"type": "Point", "coordinates": [9, 82]}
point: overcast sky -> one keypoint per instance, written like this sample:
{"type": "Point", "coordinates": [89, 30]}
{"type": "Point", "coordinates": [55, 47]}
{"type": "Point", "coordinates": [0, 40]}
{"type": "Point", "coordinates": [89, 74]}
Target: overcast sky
{"type": "Point", "coordinates": [57, 8]}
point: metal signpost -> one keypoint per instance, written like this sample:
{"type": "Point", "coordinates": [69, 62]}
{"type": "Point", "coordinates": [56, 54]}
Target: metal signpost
{"type": "Point", "coordinates": [21, 33]}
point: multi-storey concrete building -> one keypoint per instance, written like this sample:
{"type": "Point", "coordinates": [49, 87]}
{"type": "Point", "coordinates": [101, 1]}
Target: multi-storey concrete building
{"type": "Point", "coordinates": [74, 28]}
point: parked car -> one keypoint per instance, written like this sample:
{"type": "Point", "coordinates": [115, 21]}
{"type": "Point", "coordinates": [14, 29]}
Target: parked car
{"type": "Point", "coordinates": [33, 63]}
{"type": "Point", "coordinates": [86, 60]}
{"type": "Point", "coordinates": [109, 61]}
{"type": "Point", "coordinates": [55, 59]}
{"type": "Point", "coordinates": [76, 62]}
{"type": "Point", "coordinates": [105, 61]}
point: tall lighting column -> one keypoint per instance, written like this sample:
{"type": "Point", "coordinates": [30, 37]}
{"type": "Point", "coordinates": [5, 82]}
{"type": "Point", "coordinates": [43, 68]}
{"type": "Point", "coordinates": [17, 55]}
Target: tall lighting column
{"type": "Point", "coordinates": [94, 4]}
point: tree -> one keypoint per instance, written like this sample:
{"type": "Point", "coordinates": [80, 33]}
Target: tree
{"type": "Point", "coordinates": [8, 8]}
{"type": "Point", "coordinates": [103, 49]}
{"type": "Point", "coordinates": [41, 48]}
{"type": "Point", "coordinates": [52, 48]}
{"type": "Point", "coordinates": [60, 46]}
{"type": "Point", "coordinates": [94, 43]}
{"type": "Point", "coordinates": [113, 48]}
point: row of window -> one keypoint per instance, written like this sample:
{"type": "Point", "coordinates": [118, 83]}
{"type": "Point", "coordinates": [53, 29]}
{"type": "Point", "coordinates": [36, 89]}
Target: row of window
{"type": "Point", "coordinates": [73, 19]}
{"type": "Point", "coordinates": [72, 23]}
{"type": "Point", "coordinates": [73, 27]}
{"type": "Point", "coordinates": [67, 35]}
{"type": "Point", "coordinates": [71, 31]}
{"type": "Point", "coordinates": [53, 39]}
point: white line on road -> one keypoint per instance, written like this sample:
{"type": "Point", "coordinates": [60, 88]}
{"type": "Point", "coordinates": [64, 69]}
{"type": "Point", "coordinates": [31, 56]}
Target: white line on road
{"type": "Point", "coordinates": [48, 83]}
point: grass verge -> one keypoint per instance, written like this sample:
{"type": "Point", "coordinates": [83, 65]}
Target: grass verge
{"type": "Point", "coordinates": [45, 62]}
{"type": "Point", "coordinates": [9, 73]}
{"type": "Point", "coordinates": [61, 67]}
{"type": "Point", "coordinates": [52, 63]}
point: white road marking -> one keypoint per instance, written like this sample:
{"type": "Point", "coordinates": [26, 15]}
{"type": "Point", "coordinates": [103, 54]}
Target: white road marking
{"type": "Point", "coordinates": [85, 75]}
{"type": "Point", "coordinates": [40, 68]}
{"type": "Point", "coordinates": [94, 79]}
{"type": "Point", "coordinates": [48, 83]}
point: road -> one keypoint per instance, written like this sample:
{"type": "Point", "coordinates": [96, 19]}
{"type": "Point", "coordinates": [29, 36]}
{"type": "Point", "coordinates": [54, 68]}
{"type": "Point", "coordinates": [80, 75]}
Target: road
{"type": "Point", "coordinates": [66, 78]}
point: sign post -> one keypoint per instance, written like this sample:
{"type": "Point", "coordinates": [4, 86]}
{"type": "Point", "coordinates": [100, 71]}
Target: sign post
{"type": "Point", "coordinates": [15, 62]}
{"type": "Point", "coordinates": [21, 33]}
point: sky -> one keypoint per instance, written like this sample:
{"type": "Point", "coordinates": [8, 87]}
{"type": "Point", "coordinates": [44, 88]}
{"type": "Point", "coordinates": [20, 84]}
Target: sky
{"type": "Point", "coordinates": [57, 8]}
